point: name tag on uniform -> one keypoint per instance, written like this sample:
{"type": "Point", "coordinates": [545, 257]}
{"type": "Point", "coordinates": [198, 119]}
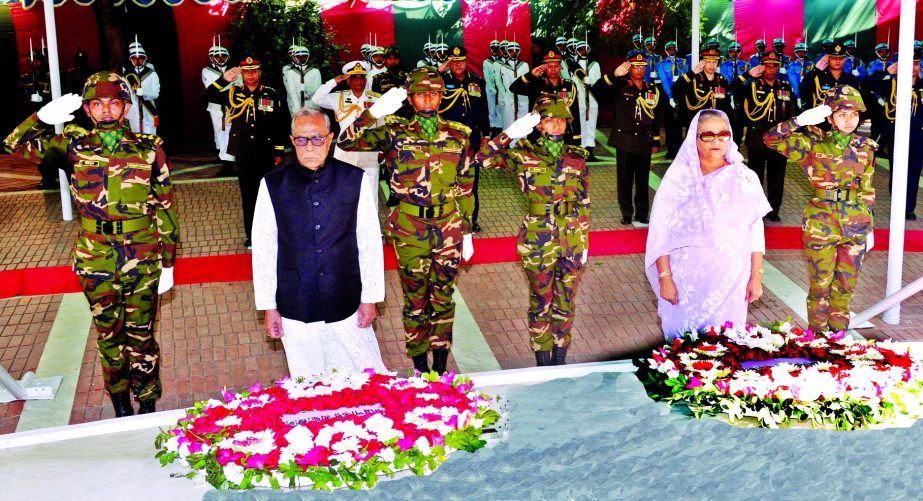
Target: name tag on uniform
{"type": "Point", "coordinates": [536, 170]}
{"type": "Point", "coordinates": [474, 90]}
{"type": "Point", "coordinates": [452, 149]}
{"type": "Point", "coordinates": [824, 88]}
{"type": "Point", "coordinates": [824, 156]}
{"type": "Point", "coordinates": [265, 104]}
{"type": "Point", "coordinates": [139, 166]}
{"type": "Point", "coordinates": [88, 163]}
{"type": "Point", "coordinates": [411, 147]}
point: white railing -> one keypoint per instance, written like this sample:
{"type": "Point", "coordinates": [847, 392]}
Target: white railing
{"type": "Point", "coordinates": [886, 303]}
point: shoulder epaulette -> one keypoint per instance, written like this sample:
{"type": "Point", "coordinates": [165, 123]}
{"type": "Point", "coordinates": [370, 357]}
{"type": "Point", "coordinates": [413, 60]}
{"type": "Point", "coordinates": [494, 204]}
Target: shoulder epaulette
{"type": "Point", "coordinates": [74, 131]}
{"type": "Point", "coordinates": [150, 139]}
{"type": "Point", "coordinates": [395, 119]}
{"type": "Point", "coordinates": [268, 88]}
{"type": "Point", "coordinates": [578, 151]}
{"type": "Point", "coordinates": [372, 93]}
{"type": "Point", "coordinates": [459, 127]}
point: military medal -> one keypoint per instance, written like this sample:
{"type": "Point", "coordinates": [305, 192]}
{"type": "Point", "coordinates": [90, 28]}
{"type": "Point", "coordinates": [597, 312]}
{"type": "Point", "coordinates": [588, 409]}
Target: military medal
{"type": "Point", "coordinates": [719, 92]}
{"type": "Point", "coordinates": [563, 94]}
{"type": "Point", "coordinates": [265, 105]}
{"type": "Point", "coordinates": [649, 98]}
{"type": "Point", "coordinates": [474, 90]}
{"type": "Point", "coordinates": [783, 95]}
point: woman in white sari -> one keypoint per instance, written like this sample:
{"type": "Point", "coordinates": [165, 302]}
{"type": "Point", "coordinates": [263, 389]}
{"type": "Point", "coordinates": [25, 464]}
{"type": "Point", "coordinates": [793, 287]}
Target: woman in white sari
{"type": "Point", "coordinates": [705, 244]}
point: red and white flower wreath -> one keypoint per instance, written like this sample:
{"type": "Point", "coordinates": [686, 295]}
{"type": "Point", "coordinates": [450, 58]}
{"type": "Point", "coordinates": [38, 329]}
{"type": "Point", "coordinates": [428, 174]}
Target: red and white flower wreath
{"type": "Point", "coordinates": [345, 429]}
{"type": "Point", "coordinates": [782, 373]}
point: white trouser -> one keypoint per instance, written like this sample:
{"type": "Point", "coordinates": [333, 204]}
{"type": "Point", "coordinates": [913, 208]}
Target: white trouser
{"type": "Point", "coordinates": [509, 110]}
{"type": "Point", "coordinates": [221, 136]}
{"type": "Point", "coordinates": [588, 126]}
{"type": "Point", "coordinates": [318, 347]}
{"type": "Point", "coordinates": [147, 121]}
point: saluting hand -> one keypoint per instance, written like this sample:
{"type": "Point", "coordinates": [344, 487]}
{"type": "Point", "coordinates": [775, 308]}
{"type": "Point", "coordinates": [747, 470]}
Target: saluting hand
{"type": "Point", "coordinates": [699, 66]}
{"type": "Point", "coordinates": [892, 69]}
{"type": "Point", "coordinates": [622, 69]}
{"type": "Point", "coordinates": [340, 78]}
{"type": "Point", "coordinates": [757, 71]}
{"type": "Point", "coordinates": [822, 64]}
{"type": "Point", "coordinates": [539, 70]}
{"type": "Point", "coordinates": [232, 74]}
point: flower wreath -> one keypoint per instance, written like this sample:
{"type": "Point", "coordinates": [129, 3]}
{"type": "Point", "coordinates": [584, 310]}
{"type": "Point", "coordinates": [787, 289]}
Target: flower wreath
{"type": "Point", "coordinates": [781, 373]}
{"type": "Point", "coordinates": [345, 429]}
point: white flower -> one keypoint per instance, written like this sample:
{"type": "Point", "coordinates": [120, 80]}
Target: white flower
{"type": "Point", "coordinates": [422, 444]}
{"type": "Point", "coordinates": [428, 396]}
{"type": "Point", "coordinates": [347, 428]}
{"type": "Point", "coordinates": [382, 427]}
{"type": "Point", "coordinates": [300, 439]}
{"type": "Point", "coordinates": [234, 473]}
{"type": "Point", "coordinates": [387, 454]}
{"type": "Point", "coordinates": [248, 442]}
{"type": "Point", "coordinates": [231, 420]}
{"type": "Point", "coordinates": [347, 444]}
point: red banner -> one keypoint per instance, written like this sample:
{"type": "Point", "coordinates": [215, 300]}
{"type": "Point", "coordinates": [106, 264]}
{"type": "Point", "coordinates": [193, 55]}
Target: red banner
{"type": "Point", "coordinates": [350, 22]}
{"type": "Point", "coordinates": [766, 19]}
{"type": "Point", "coordinates": [482, 20]}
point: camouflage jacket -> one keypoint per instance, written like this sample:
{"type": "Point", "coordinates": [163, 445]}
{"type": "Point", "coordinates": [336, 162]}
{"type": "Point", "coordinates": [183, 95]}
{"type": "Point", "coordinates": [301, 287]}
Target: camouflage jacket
{"type": "Point", "coordinates": [544, 180]}
{"type": "Point", "coordinates": [828, 166]}
{"type": "Point", "coordinates": [129, 183]}
{"type": "Point", "coordinates": [420, 172]}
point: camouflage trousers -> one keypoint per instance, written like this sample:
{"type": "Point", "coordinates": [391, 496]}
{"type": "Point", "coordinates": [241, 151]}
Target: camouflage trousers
{"type": "Point", "coordinates": [552, 291]}
{"type": "Point", "coordinates": [120, 283]}
{"type": "Point", "coordinates": [833, 269]}
{"type": "Point", "coordinates": [428, 256]}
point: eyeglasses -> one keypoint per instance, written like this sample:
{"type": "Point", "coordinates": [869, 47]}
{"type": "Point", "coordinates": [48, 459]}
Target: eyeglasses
{"type": "Point", "coordinates": [315, 140]}
{"type": "Point", "coordinates": [708, 137]}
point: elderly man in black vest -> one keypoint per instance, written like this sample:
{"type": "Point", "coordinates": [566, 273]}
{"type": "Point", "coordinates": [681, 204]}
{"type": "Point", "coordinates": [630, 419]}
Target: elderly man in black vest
{"type": "Point", "coordinates": [318, 266]}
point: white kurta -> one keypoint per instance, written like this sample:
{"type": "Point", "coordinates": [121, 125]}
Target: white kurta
{"type": "Point", "coordinates": [220, 126]}
{"type": "Point", "coordinates": [346, 108]}
{"type": "Point", "coordinates": [150, 90]}
{"type": "Point", "coordinates": [319, 347]}
{"type": "Point", "coordinates": [300, 84]}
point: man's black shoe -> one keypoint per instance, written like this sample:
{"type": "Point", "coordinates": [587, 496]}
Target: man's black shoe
{"type": "Point", "coordinates": [121, 403]}
{"type": "Point", "coordinates": [476, 228]}
{"type": "Point", "coordinates": [643, 220]}
{"type": "Point", "coordinates": [626, 220]}
{"type": "Point", "coordinates": [773, 217]}
{"type": "Point", "coordinates": [592, 158]}
{"type": "Point", "coordinates": [910, 216]}
{"type": "Point", "coordinates": [48, 185]}
{"type": "Point", "coordinates": [147, 406]}
{"type": "Point", "coordinates": [248, 244]}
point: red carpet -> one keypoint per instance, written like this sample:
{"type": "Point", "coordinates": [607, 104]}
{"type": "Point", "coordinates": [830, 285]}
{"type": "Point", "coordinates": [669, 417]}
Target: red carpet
{"type": "Point", "coordinates": [236, 268]}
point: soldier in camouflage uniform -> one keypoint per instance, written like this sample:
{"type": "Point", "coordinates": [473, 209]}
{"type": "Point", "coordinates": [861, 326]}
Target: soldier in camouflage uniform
{"type": "Point", "coordinates": [431, 181]}
{"type": "Point", "coordinates": [838, 220]}
{"type": "Point", "coordinates": [553, 239]}
{"type": "Point", "coordinates": [128, 229]}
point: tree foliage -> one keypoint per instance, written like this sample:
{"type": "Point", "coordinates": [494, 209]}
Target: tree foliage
{"type": "Point", "coordinates": [264, 29]}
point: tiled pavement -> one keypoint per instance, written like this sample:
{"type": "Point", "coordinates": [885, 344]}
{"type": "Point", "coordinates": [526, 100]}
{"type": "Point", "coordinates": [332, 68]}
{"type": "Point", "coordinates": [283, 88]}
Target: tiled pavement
{"type": "Point", "coordinates": [211, 336]}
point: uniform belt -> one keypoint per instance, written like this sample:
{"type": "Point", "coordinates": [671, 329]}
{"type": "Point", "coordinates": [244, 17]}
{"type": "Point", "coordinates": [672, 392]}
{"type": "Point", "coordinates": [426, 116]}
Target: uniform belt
{"type": "Point", "coordinates": [559, 208]}
{"type": "Point", "coordinates": [426, 212]}
{"type": "Point", "coordinates": [115, 227]}
{"type": "Point", "coordinates": [837, 195]}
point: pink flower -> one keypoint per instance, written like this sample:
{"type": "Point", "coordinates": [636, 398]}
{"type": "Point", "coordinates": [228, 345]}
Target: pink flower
{"type": "Point", "coordinates": [837, 335]}
{"type": "Point", "coordinates": [406, 443]}
{"type": "Point", "coordinates": [257, 461]}
{"type": "Point", "coordinates": [314, 457]}
{"type": "Point", "coordinates": [255, 388]}
{"type": "Point", "coordinates": [694, 382]}
{"type": "Point", "coordinates": [228, 396]}
{"type": "Point", "coordinates": [224, 456]}
{"type": "Point", "coordinates": [727, 325]}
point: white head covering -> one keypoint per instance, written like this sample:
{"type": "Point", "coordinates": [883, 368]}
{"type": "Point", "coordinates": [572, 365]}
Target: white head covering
{"type": "Point", "coordinates": [682, 214]}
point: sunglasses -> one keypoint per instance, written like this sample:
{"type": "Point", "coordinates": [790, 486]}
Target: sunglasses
{"type": "Point", "coordinates": [708, 137]}
{"type": "Point", "coordinates": [315, 140]}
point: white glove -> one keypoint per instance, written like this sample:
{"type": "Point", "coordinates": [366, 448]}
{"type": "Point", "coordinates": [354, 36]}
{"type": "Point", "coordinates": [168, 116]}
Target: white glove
{"type": "Point", "coordinates": [855, 72]}
{"type": "Point", "coordinates": [814, 116]}
{"type": "Point", "coordinates": [799, 102]}
{"type": "Point", "coordinates": [523, 126]}
{"type": "Point", "coordinates": [60, 110]}
{"type": "Point", "coordinates": [139, 91]}
{"type": "Point", "coordinates": [586, 252]}
{"type": "Point", "coordinates": [35, 98]}
{"type": "Point", "coordinates": [166, 280]}
{"type": "Point", "coordinates": [783, 71]}
{"type": "Point", "coordinates": [881, 101]}
{"type": "Point", "coordinates": [672, 103]}
{"type": "Point", "coordinates": [389, 102]}
{"type": "Point", "coordinates": [467, 247]}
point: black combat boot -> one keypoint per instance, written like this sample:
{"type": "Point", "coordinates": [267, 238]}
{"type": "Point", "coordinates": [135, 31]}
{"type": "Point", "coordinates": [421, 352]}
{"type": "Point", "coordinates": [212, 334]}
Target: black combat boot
{"type": "Point", "coordinates": [121, 402]}
{"type": "Point", "coordinates": [542, 358]}
{"type": "Point", "coordinates": [558, 354]}
{"type": "Point", "coordinates": [421, 363]}
{"type": "Point", "coordinates": [227, 169]}
{"type": "Point", "coordinates": [440, 359]}
{"type": "Point", "coordinates": [147, 406]}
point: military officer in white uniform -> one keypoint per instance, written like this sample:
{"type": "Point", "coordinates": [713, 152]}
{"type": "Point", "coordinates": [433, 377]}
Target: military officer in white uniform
{"type": "Point", "coordinates": [145, 86]}
{"type": "Point", "coordinates": [585, 74]}
{"type": "Point", "coordinates": [301, 82]}
{"type": "Point", "coordinates": [346, 106]}
{"type": "Point", "coordinates": [218, 65]}
{"type": "Point", "coordinates": [512, 106]}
